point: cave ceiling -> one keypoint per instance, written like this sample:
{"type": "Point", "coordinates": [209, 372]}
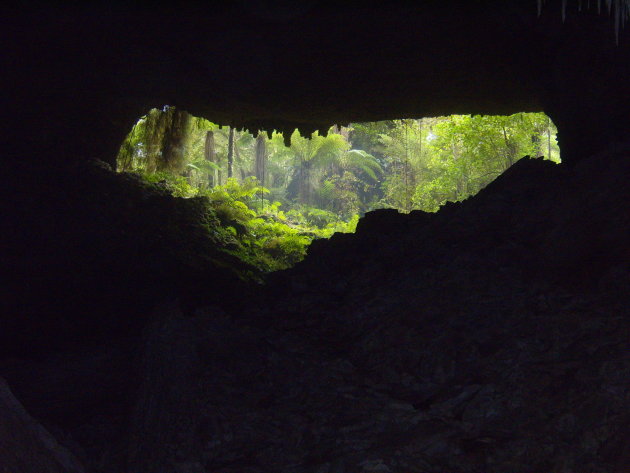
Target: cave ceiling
{"type": "Point", "coordinates": [81, 75]}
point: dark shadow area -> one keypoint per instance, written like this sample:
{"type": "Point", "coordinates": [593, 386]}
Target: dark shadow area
{"type": "Point", "coordinates": [490, 336]}
{"type": "Point", "coordinates": [273, 194]}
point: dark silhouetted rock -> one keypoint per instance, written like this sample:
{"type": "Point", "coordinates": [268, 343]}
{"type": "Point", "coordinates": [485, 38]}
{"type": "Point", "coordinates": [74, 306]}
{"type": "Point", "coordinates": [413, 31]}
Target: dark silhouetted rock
{"type": "Point", "coordinates": [456, 341]}
{"type": "Point", "coordinates": [490, 337]}
{"type": "Point", "coordinates": [25, 445]}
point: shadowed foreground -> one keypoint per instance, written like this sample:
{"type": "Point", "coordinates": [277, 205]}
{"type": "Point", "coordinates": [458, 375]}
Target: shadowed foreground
{"type": "Point", "coordinates": [489, 337]}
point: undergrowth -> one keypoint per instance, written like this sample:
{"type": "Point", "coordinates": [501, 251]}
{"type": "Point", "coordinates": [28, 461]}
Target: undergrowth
{"type": "Point", "coordinates": [255, 229]}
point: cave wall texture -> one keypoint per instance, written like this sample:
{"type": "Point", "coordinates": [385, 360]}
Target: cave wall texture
{"type": "Point", "coordinates": [79, 76]}
{"type": "Point", "coordinates": [377, 354]}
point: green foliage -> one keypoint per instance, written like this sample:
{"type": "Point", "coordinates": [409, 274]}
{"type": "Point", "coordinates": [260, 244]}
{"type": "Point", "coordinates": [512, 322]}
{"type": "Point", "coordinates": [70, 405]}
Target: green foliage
{"type": "Point", "coordinates": [177, 185]}
{"type": "Point", "coordinates": [157, 142]}
{"type": "Point", "coordinates": [321, 184]}
{"type": "Point", "coordinates": [435, 160]}
{"type": "Point", "coordinates": [468, 152]}
{"type": "Point", "coordinates": [310, 159]}
{"type": "Point", "coordinates": [267, 237]}
{"type": "Point", "coordinates": [361, 161]}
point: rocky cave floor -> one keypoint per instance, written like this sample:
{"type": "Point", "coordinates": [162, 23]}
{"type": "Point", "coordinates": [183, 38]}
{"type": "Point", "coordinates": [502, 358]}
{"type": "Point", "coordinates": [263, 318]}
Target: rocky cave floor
{"type": "Point", "coordinates": [491, 337]}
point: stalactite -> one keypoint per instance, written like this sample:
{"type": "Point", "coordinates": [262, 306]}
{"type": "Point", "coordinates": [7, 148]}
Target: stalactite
{"type": "Point", "coordinates": [286, 134]}
{"type": "Point", "coordinates": [619, 8]}
{"type": "Point", "coordinates": [564, 10]}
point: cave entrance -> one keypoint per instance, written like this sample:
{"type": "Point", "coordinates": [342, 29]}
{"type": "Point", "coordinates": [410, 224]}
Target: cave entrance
{"type": "Point", "coordinates": [279, 198]}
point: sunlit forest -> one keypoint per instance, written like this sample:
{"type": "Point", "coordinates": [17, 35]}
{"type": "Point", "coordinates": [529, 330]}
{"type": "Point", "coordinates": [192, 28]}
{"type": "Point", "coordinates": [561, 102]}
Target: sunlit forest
{"type": "Point", "coordinates": [273, 199]}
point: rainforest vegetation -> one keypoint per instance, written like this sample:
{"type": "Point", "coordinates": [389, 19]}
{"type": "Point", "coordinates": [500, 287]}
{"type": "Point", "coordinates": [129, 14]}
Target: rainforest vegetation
{"type": "Point", "coordinates": [273, 199]}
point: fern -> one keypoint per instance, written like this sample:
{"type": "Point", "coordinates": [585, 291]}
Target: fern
{"type": "Point", "coordinates": [363, 161]}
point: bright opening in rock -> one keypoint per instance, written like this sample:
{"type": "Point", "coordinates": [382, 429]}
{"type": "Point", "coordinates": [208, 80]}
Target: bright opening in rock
{"type": "Point", "coordinates": [273, 199]}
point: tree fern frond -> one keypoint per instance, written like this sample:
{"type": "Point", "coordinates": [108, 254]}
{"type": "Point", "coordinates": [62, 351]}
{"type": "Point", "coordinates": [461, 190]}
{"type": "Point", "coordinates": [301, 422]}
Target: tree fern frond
{"type": "Point", "coordinates": [363, 161]}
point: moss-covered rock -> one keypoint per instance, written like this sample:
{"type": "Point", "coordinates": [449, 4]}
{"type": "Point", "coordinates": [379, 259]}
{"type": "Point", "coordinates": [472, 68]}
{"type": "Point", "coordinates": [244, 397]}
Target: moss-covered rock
{"type": "Point", "coordinates": [92, 251]}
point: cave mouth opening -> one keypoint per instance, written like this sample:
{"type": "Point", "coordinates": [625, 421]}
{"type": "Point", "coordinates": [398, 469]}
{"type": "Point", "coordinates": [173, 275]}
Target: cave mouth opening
{"type": "Point", "coordinates": [274, 199]}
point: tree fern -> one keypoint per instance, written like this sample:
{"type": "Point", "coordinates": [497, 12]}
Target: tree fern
{"type": "Point", "coordinates": [361, 160]}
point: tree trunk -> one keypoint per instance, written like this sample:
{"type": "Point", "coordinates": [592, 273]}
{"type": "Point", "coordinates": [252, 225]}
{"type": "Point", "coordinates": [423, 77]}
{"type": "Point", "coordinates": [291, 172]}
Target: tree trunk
{"type": "Point", "coordinates": [237, 158]}
{"type": "Point", "coordinates": [407, 205]}
{"type": "Point", "coordinates": [304, 182]}
{"type": "Point", "coordinates": [509, 149]}
{"type": "Point", "coordinates": [261, 164]}
{"type": "Point", "coordinates": [174, 142]}
{"type": "Point", "coordinates": [261, 159]}
{"type": "Point", "coordinates": [209, 154]}
{"type": "Point", "coordinates": [548, 138]}
{"type": "Point", "coordinates": [230, 156]}
{"type": "Point", "coordinates": [420, 127]}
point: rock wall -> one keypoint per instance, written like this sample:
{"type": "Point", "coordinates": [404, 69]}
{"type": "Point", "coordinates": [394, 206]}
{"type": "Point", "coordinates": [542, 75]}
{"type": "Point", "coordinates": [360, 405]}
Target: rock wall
{"type": "Point", "coordinates": [25, 445]}
{"type": "Point", "coordinates": [86, 255]}
{"type": "Point", "coordinates": [488, 337]}
{"type": "Point", "coordinates": [80, 76]}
